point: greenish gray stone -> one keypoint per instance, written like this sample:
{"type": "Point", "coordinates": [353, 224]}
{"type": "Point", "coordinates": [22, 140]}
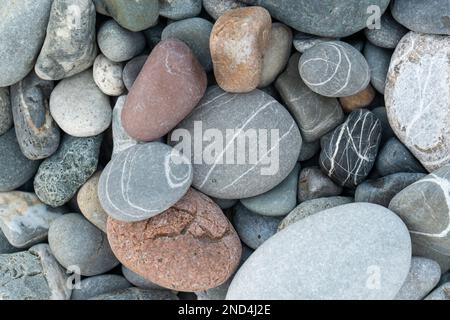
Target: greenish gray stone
{"type": "Point", "coordinates": [97, 285]}
{"type": "Point", "coordinates": [388, 35]}
{"type": "Point", "coordinates": [179, 9]}
{"type": "Point", "coordinates": [134, 15]}
{"type": "Point", "coordinates": [6, 118]}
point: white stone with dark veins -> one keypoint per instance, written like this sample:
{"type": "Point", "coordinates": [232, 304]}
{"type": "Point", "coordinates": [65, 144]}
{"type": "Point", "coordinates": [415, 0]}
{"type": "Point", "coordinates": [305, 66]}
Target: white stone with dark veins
{"type": "Point", "coordinates": [348, 153]}
{"type": "Point", "coordinates": [417, 97]}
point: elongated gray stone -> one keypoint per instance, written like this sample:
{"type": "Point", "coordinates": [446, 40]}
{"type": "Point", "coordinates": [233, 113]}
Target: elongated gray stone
{"type": "Point", "coordinates": [388, 35]}
{"type": "Point", "coordinates": [137, 280]}
{"type": "Point", "coordinates": [6, 119]}
{"type": "Point", "coordinates": [132, 70]}
{"type": "Point", "coordinates": [386, 130]}
{"type": "Point", "coordinates": [303, 41]}
{"type": "Point", "coordinates": [98, 285]}
{"type": "Point", "coordinates": [378, 60]}
{"type": "Point", "coordinates": [121, 139]}
{"type": "Point", "coordinates": [216, 8]}
{"type": "Point", "coordinates": [134, 15]}
{"type": "Point", "coordinates": [179, 9]}
{"type": "Point", "coordinates": [137, 294]}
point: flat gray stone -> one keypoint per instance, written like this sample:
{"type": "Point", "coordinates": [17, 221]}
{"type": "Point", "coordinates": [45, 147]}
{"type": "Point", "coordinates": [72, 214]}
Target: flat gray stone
{"type": "Point", "coordinates": [134, 15]}
{"type": "Point", "coordinates": [138, 280]}
{"type": "Point", "coordinates": [313, 184]}
{"type": "Point", "coordinates": [137, 294]}
{"type": "Point", "coordinates": [378, 60]}
{"type": "Point", "coordinates": [307, 260]}
{"type": "Point", "coordinates": [388, 35]}
{"type": "Point", "coordinates": [441, 293]}
{"type": "Point", "coordinates": [98, 285]}
{"type": "Point", "coordinates": [132, 70]}
{"type": "Point", "coordinates": [179, 9]}
{"type": "Point", "coordinates": [6, 119]}
{"type": "Point", "coordinates": [22, 34]}
{"type": "Point", "coordinates": [5, 246]}
{"type": "Point", "coordinates": [315, 114]}
{"type": "Point", "coordinates": [79, 245]}
{"type": "Point", "coordinates": [108, 76]}
{"type": "Point", "coordinates": [303, 41]}
{"type": "Point", "coordinates": [216, 8]}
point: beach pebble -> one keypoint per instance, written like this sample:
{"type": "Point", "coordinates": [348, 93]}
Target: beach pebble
{"type": "Point", "coordinates": [36, 131]}
{"type": "Point", "coordinates": [378, 60]}
{"type": "Point", "coordinates": [98, 285]}
{"type": "Point", "coordinates": [179, 9]}
{"type": "Point", "coordinates": [108, 76]}
{"type": "Point", "coordinates": [121, 139]}
{"type": "Point", "coordinates": [225, 203]}
{"type": "Point", "coordinates": [79, 107]}
{"type": "Point", "coordinates": [388, 35]}
{"type": "Point", "coordinates": [441, 293]}
{"type": "Point", "coordinates": [119, 44]}
{"type": "Point", "coordinates": [60, 176]}
{"type": "Point", "coordinates": [137, 294]}
{"type": "Point", "coordinates": [193, 242]}
{"type": "Point", "coordinates": [137, 280]}
{"type": "Point", "coordinates": [386, 130]}
{"type": "Point", "coordinates": [303, 41]}
{"type": "Point", "coordinates": [153, 34]}
{"type": "Point", "coordinates": [360, 100]}
{"type": "Point", "coordinates": [313, 184]}
{"type": "Point", "coordinates": [5, 246]}
{"type": "Point", "coordinates": [69, 47]}
{"type": "Point", "coordinates": [238, 43]}
{"type": "Point", "coordinates": [216, 8]}
{"type": "Point", "coordinates": [6, 118]}
{"type": "Point", "coordinates": [349, 152]}
{"type": "Point", "coordinates": [75, 242]}
{"type": "Point", "coordinates": [418, 97]}
{"type": "Point", "coordinates": [132, 70]}
{"type": "Point", "coordinates": [168, 88]}
{"type": "Point", "coordinates": [334, 69]}
{"type": "Point", "coordinates": [279, 201]}
{"type": "Point", "coordinates": [143, 181]}
{"type": "Point", "coordinates": [309, 150]}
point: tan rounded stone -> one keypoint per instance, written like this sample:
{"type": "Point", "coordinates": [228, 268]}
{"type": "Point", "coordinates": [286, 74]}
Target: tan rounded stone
{"type": "Point", "coordinates": [238, 41]}
{"type": "Point", "coordinates": [189, 247]}
{"type": "Point", "coordinates": [359, 100]}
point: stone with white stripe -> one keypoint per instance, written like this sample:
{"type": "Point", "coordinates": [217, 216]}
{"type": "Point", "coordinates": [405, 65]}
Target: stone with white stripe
{"type": "Point", "coordinates": [334, 69]}
{"type": "Point", "coordinates": [348, 153]}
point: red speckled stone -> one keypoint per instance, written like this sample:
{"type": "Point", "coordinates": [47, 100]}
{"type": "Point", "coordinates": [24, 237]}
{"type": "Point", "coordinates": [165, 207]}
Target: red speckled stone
{"type": "Point", "coordinates": [168, 88]}
{"type": "Point", "coordinates": [190, 247]}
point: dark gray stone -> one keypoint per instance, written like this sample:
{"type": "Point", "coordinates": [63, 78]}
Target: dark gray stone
{"type": "Point", "coordinates": [137, 294]}
{"type": "Point", "coordinates": [225, 203]}
{"type": "Point", "coordinates": [349, 152]}
{"type": "Point", "coordinates": [5, 246]}
{"type": "Point", "coordinates": [313, 184]}
{"type": "Point", "coordinates": [386, 130]}
{"type": "Point", "coordinates": [378, 60]}
{"type": "Point", "coordinates": [60, 176]}
{"type": "Point", "coordinates": [6, 118]}
{"type": "Point", "coordinates": [309, 150]}
{"type": "Point", "coordinates": [334, 69]}
{"type": "Point", "coordinates": [153, 34]}
{"type": "Point", "coordinates": [179, 9]}
{"type": "Point", "coordinates": [37, 133]}
{"type": "Point", "coordinates": [132, 70]}
{"type": "Point", "coordinates": [97, 285]}
{"type": "Point", "coordinates": [388, 35]}
{"type": "Point", "coordinates": [216, 8]}
{"type": "Point", "coordinates": [133, 15]}
{"type": "Point", "coordinates": [137, 280]}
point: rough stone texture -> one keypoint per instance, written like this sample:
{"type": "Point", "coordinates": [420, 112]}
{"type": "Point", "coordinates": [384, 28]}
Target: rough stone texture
{"type": "Point", "coordinates": [190, 247]}
{"type": "Point", "coordinates": [134, 15]}
{"type": "Point", "coordinates": [310, 207]}
{"type": "Point", "coordinates": [238, 42]}
{"type": "Point", "coordinates": [432, 16]}
{"type": "Point", "coordinates": [119, 44]}
{"type": "Point", "coordinates": [137, 280]}
{"type": "Point", "coordinates": [15, 168]}
{"type": "Point", "coordinates": [441, 293]}
{"type": "Point", "coordinates": [179, 9]}
{"type": "Point", "coordinates": [422, 278]}
{"type": "Point", "coordinates": [327, 18]}
{"type": "Point", "coordinates": [315, 114]}
{"type": "Point", "coordinates": [143, 181]}
{"type": "Point", "coordinates": [98, 285]}
{"type": "Point", "coordinates": [137, 294]}
{"type": "Point", "coordinates": [279, 201]}
{"type": "Point", "coordinates": [60, 176]}
{"type": "Point", "coordinates": [89, 204]}
{"type": "Point", "coordinates": [309, 150]}
{"type": "Point", "coordinates": [257, 171]}
{"type": "Point", "coordinates": [121, 139]}
{"type": "Point", "coordinates": [277, 53]}
{"type": "Point", "coordinates": [360, 100]}
{"type": "Point", "coordinates": [394, 157]}
{"type": "Point", "coordinates": [388, 35]}
{"type": "Point", "coordinates": [69, 47]}
{"type": "Point", "coordinates": [108, 76]}
{"type": "Point", "coordinates": [349, 152]}
{"type": "Point", "coordinates": [378, 60]}
{"type": "Point", "coordinates": [22, 32]}
{"type": "Point", "coordinates": [334, 69]}
{"type": "Point", "coordinates": [76, 242]}
{"type": "Point", "coordinates": [132, 70]}
{"type": "Point", "coordinates": [313, 183]}
{"type": "Point", "coordinates": [382, 190]}
{"type": "Point", "coordinates": [6, 118]}
{"type": "Point", "coordinates": [168, 88]}
{"type": "Point", "coordinates": [386, 130]}
{"type": "Point", "coordinates": [32, 275]}
{"type": "Point", "coordinates": [24, 219]}
{"type": "Point", "coordinates": [216, 8]}
{"type": "Point", "coordinates": [37, 133]}
{"type": "Point", "coordinates": [254, 229]}
{"type": "Point", "coordinates": [307, 260]}
{"type": "Point", "coordinates": [303, 41]}
{"type": "Point", "coordinates": [5, 246]}
{"type": "Point", "coordinates": [424, 207]}
{"type": "Point", "coordinates": [79, 107]}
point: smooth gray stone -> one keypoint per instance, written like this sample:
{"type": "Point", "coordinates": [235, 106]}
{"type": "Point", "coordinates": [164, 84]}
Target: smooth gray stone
{"type": "Point", "coordinates": [431, 16]}
{"type": "Point", "coordinates": [100, 7]}
{"type": "Point", "coordinates": [75, 242]}
{"type": "Point", "coordinates": [315, 114]}
{"type": "Point", "coordinates": [279, 201]}
{"type": "Point", "coordinates": [195, 33]}
{"type": "Point", "coordinates": [22, 33]}
{"type": "Point", "coordinates": [216, 8]}
{"type": "Point", "coordinates": [225, 203]}
{"type": "Point", "coordinates": [327, 18]}
{"type": "Point", "coordinates": [309, 150]}
{"type": "Point", "coordinates": [303, 41]}
{"type": "Point", "coordinates": [153, 34]}
{"type": "Point", "coordinates": [69, 47]}
{"type": "Point", "coordinates": [441, 293]}
{"type": "Point", "coordinates": [422, 278]}
{"type": "Point", "coordinates": [378, 60]}
{"type": "Point", "coordinates": [382, 190]}
{"type": "Point", "coordinates": [356, 42]}
{"type": "Point", "coordinates": [310, 207]}
{"type": "Point", "coordinates": [389, 34]}
{"type": "Point", "coordinates": [143, 181]}
{"type": "Point", "coordinates": [138, 281]}
{"type": "Point", "coordinates": [334, 69]}
{"type": "Point", "coordinates": [254, 229]}
{"type": "Point", "coordinates": [6, 118]}
{"type": "Point", "coordinates": [137, 294]}
{"type": "Point", "coordinates": [132, 70]}
{"type": "Point", "coordinates": [32, 275]}
{"type": "Point", "coordinates": [121, 139]}
{"type": "Point", "coordinates": [313, 184]}
{"type": "Point", "coordinates": [15, 168]}
{"type": "Point", "coordinates": [386, 130]}
{"type": "Point", "coordinates": [97, 285]}
{"type": "Point", "coordinates": [133, 15]}
{"type": "Point", "coordinates": [179, 9]}
{"type": "Point", "coordinates": [307, 260]}
{"type": "Point", "coordinates": [394, 157]}
{"type": "Point", "coordinates": [36, 131]}
{"type": "Point", "coordinates": [119, 44]}
{"type": "Point", "coordinates": [424, 207]}
{"type": "Point", "coordinates": [256, 170]}
{"type": "Point", "coordinates": [5, 246]}
{"type": "Point", "coordinates": [422, 249]}
{"type": "Point", "coordinates": [60, 176]}
{"type": "Point", "coordinates": [349, 152]}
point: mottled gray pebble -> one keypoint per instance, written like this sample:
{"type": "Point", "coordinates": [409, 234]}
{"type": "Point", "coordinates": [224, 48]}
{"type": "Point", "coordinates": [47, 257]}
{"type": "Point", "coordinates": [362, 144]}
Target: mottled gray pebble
{"type": "Point", "coordinates": [378, 60]}
{"type": "Point", "coordinates": [97, 285]}
{"type": "Point", "coordinates": [6, 118]}
{"type": "Point", "coordinates": [108, 76]}
{"type": "Point", "coordinates": [132, 70]}
{"type": "Point", "coordinates": [313, 183]}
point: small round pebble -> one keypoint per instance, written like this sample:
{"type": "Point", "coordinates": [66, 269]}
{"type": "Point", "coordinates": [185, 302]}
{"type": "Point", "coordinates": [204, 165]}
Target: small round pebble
{"type": "Point", "coordinates": [108, 76]}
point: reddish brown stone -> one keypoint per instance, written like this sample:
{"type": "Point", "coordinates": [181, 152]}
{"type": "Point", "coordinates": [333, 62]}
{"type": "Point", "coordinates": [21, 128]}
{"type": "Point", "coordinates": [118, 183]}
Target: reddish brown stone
{"type": "Point", "coordinates": [168, 88]}
{"type": "Point", "coordinates": [238, 41]}
{"type": "Point", "coordinates": [189, 247]}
